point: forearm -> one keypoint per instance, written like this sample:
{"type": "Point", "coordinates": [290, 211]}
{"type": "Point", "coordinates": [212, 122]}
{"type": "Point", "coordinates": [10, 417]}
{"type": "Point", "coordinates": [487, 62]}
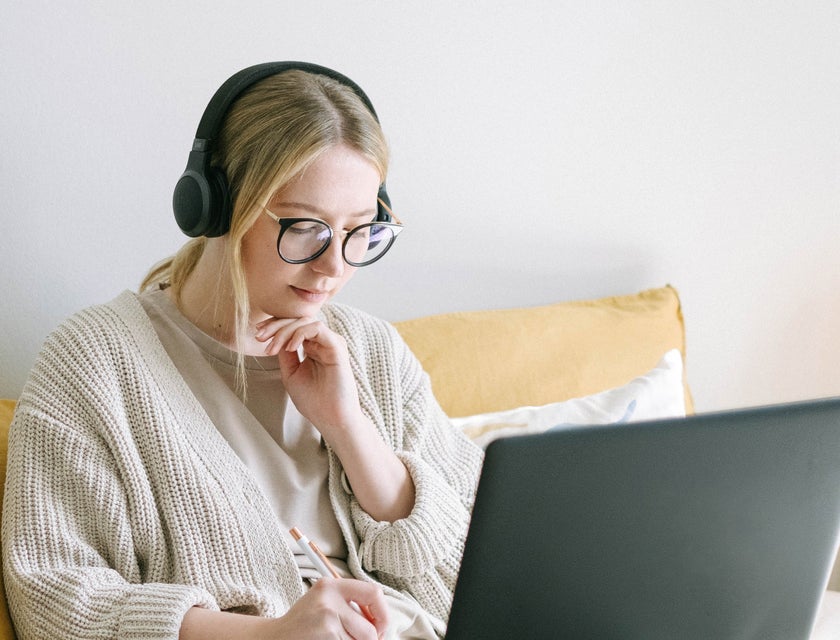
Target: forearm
{"type": "Point", "coordinates": [205, 624]}
{"type": "Point", "coordinates": [379, 479]}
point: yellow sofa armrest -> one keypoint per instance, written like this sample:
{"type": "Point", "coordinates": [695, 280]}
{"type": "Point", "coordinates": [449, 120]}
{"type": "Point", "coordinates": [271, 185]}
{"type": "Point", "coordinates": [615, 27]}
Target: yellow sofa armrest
{"type": "Point", "coordinates": [487, 361]}
{"type": "Point", "coordinates": [7, 411]}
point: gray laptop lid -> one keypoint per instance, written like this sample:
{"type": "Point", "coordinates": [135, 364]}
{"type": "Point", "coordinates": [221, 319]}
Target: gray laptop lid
{"type": "Point", "coordinates": [716, 526]}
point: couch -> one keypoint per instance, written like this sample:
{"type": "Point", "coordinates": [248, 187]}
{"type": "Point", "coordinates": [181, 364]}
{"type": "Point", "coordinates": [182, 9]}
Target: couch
{"type": "Point", "coordinates": [507, 371]}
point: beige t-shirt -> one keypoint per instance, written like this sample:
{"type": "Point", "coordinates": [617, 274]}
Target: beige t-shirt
{"type": "Point", "coordinates": [280, 447]}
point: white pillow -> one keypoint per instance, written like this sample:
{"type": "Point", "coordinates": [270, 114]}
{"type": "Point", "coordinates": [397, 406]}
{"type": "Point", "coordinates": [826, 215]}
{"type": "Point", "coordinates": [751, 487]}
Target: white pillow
{"type": "Point", "coordinates": [657, 394]}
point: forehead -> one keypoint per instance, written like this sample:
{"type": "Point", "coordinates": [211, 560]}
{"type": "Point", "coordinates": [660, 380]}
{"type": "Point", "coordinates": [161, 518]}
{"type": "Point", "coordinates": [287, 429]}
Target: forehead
{"type": "Point", "coordinates": [337, 177]}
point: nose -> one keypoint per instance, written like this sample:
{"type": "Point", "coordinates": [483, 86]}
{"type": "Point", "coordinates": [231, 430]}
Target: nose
{"type": "Point", "coordinates": [331, 262]}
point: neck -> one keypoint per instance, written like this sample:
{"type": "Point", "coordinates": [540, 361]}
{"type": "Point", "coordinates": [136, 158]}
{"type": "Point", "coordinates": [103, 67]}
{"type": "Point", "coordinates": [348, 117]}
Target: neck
{"type": "Point", "coordinates": [206, 297]}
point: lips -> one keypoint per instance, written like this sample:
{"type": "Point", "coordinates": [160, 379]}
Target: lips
{"type": "Point", "coordinates": [310, 295]}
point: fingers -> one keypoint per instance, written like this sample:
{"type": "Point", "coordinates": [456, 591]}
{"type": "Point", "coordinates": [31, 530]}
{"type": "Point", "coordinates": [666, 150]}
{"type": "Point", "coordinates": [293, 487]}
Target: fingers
{"type": "Point", "coordinates": [370, 598]}
{"type": "Point", "coordinates": [275, 332]}
{"type": "Point", "coordinates": [291, 335]}
{"type": "Point", "coordinates": [357, 627]}
{"type": "Point", "coordinates": [349, 596]}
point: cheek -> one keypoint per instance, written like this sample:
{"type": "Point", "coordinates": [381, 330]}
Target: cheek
{"type": "Point", "coordinates": [259, 258]}
{"type": "Point", "coordinates": [349, 272]}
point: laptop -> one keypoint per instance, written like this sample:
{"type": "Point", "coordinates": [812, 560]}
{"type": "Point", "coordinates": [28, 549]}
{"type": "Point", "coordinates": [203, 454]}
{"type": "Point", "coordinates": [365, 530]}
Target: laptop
{"type": "Point", "coordinates": [716, 526]}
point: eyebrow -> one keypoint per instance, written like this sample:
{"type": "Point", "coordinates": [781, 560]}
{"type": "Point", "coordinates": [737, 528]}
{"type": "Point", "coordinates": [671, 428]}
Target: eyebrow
{"type": "Point", "coordinates": [316, 211]}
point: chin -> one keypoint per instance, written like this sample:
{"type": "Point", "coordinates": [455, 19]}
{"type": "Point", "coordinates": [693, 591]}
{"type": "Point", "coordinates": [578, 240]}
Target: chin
{"type": "Point", "coordinates": [292, 302]}
{"type": "Point", "coordinates": [293, 309]}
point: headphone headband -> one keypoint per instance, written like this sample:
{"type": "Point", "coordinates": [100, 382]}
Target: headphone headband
{"type": "Point", "coordinates": [201, 200]}
{"type": "Point", "coordinates": [223, 99]}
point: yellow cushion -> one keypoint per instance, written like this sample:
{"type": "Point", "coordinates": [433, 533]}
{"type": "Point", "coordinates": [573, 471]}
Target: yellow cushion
{"type": "Point", "coordinates": [483, 361]}
{"type": "Point", "coordinates": [7, 410]}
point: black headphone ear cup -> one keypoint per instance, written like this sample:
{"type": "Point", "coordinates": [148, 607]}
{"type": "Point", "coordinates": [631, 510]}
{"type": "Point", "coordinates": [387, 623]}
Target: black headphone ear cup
{"type": "Point", "coordinates": [200, 200]}
{"type": "Point", "coordinates": [220, 214]}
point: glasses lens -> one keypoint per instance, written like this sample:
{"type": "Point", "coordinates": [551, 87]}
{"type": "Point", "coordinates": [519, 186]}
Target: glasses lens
{"type": "Point", "coordinates": [368, 243]}
{"type": "Point", "coordinates": [303, 240]}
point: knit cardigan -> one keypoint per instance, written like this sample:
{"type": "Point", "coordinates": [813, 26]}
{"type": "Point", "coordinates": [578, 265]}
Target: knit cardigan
{"type": "Point", "coordinates": [124, 506]}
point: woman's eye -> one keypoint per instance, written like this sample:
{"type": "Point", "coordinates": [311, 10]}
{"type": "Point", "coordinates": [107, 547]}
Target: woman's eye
{"type": "Point", "coordinates": [306, 228]}
{"type": "Point", "coordinates": [358, 234]}
{"type": "Point", "coordinates": [298, 230]}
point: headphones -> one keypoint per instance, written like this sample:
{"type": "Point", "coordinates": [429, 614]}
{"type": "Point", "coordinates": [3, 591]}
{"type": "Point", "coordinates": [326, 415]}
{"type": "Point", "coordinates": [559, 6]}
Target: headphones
{"type": "Point", "coordinates": [201, 201]}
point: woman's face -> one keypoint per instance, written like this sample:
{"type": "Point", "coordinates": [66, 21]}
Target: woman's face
{"type": "Point", "coordinates": [340, 187]}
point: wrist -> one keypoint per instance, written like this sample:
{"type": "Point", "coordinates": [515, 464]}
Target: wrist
{"type": "Point", "coordinates": [205, 624]}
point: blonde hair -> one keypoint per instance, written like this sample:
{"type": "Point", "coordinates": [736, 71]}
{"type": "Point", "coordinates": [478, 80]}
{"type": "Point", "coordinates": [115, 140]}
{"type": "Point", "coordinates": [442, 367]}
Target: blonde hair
{"type": "Point", "coordinates": [273, 131]}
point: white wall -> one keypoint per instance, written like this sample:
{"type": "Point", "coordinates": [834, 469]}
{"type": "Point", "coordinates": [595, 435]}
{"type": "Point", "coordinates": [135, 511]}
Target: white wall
{"type": "Point", "coordinates": [542, 151]}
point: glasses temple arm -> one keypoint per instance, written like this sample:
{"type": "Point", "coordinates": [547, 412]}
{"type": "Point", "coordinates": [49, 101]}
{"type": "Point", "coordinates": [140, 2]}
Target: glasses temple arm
{"type": "Point", "coordinates": [389, 210]}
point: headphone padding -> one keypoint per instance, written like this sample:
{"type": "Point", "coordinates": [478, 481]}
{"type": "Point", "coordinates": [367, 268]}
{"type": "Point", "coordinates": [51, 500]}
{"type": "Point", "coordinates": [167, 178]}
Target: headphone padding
{"type": "Point", "coordinates": [200, 199]}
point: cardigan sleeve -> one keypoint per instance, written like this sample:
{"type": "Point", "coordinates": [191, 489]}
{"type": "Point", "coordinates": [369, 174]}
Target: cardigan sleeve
{"type": "Point", "coordinates": [79, 540]}
{"type": "Point", "coordinates": [444, 467]}
{"type": "Point", "coordinates": [419, 554]}
{"type": "Point", "coordinates": [71, 569]}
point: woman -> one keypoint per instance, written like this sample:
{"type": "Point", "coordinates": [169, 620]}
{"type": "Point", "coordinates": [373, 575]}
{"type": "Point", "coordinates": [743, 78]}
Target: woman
{"type": "Point", "coordinates": [167, 442]}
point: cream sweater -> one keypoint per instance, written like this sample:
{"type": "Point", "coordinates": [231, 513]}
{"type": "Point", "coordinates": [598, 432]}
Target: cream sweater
{"type": "Point", "coordinates": [124, 506]}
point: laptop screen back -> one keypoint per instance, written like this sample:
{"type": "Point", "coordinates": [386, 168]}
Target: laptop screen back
{"type": "Point", "coordinates": [715, 526]}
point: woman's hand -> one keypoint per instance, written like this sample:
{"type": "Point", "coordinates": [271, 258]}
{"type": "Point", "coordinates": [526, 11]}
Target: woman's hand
{"type": "Point", "coordinates": [324, 612]}
{"type": "Point", "coordinates": [322, 385]}
{"type": "Point", "coordinates": [323, 389]}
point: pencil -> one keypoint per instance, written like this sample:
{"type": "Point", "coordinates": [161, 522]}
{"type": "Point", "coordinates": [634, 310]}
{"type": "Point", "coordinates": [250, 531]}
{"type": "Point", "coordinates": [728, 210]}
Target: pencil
{"type": "Point", "coordinates": [325, 567]}
{"type": "Point", "coordinates": [304, 544]}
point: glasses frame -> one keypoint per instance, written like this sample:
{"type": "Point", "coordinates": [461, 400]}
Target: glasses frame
{"type": "Point", "coordinates": [286, 223]}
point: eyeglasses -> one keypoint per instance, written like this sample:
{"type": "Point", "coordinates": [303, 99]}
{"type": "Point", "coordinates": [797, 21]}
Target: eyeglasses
{"type": "Point", "coordinates": [304, 239]}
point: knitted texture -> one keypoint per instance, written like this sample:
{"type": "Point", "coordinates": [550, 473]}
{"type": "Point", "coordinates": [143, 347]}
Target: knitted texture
{"type": "Point", "coordinates": [124, 506]}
